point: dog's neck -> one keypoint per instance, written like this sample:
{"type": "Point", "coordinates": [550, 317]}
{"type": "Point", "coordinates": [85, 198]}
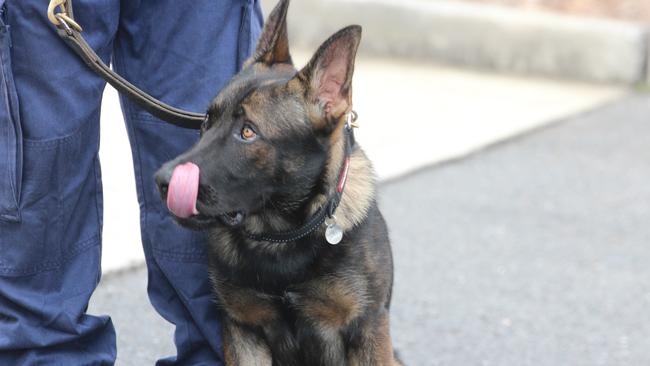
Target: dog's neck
{"type": "Point", "coordinates": [356, 198]}
{"type": "Point", "coordinates": [359, 189]}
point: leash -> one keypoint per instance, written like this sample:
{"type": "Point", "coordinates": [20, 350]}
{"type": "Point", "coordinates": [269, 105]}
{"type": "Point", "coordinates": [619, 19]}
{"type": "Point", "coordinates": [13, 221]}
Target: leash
{"type": "Point", "coordinates": [70, 31]}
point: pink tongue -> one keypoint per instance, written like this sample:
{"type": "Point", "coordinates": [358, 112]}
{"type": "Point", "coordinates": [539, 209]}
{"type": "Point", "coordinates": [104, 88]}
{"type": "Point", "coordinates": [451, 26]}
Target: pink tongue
{"type": "Point", "coordinates": [183, 190]}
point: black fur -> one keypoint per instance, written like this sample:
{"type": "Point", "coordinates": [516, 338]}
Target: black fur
{"type": "Point", "coordinates": [304, 302]}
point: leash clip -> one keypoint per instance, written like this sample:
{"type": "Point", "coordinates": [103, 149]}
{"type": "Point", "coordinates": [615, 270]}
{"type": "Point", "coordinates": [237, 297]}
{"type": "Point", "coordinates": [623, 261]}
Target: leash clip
{"type": "Point", "coordinates": [63, 18]}
{"type": "Point", "coordinates": [352, 119]}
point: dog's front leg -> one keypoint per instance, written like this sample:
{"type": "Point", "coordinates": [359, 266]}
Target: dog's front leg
{"type": "Point", "coordinates": [371, 345]}
{"type": "Point", "coordinates": [243, 347]}
{"type": "Point", "coordinates": [318, 329]}
{"type": "Point", "coordinates": [321, 344]}
{"type": "Point", "coordinates": [284, 347]}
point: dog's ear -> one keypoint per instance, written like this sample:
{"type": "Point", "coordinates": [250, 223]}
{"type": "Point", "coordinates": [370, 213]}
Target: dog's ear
{"type": "Point", "coordinates": [328, 76]}
{"type": "Point", "coordinates": [273, 44]}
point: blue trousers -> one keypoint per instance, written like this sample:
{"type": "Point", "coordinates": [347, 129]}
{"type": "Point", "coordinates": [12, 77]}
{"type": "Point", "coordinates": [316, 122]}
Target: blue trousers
{"type": "Point", "coordinates": [182, 52]}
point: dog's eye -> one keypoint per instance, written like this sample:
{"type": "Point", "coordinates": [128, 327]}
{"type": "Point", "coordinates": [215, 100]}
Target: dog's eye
{"type": "Point", "coordinates": [248, 134]}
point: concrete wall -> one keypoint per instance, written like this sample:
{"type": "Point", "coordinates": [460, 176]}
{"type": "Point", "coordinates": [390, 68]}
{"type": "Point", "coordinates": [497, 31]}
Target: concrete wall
{"type": "Point", "coordinates": [481, 36]}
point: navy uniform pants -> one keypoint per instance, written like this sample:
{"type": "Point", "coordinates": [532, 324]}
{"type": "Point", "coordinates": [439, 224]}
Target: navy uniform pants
{"type": "Point", "coordinates": [182, 52]}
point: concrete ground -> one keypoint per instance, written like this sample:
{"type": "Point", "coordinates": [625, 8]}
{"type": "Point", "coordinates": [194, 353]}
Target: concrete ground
{"type": "Point", "coordinates": [531, 252]}
{"type": "Point", "coordinates": [411, 115]}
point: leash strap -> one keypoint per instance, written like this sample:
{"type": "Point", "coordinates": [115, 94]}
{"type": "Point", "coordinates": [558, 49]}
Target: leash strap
{"type": "Point", "coordinates": [70, 32]}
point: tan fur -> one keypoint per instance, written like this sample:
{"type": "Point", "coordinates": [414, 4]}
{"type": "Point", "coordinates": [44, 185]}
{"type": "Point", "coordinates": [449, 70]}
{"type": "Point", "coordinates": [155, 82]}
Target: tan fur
{"type": "Point", "coordinates": [257, 224]}
{"type": "Point", "coordinates": [359, 192]}
{"type": "Point", "coordinates": [255, 105]}
{"type": "Point", "coordinates": [246, 305]}
{"type": "Point", "coordinates": [332, 302]}
{"type": "Point", "coordinates": [263, 157]}
{"type": "Point", "coordinates": [380, 352]}
{"type": "Point", "coordinates": [295, 87]}
{"type": "Point", "coordinates": [383, 344]}
{"type": "Point", "coordinates": [241, 347]}
{"type": "Point", "coordinates": [293, 166]}
{"type": "Point", "coordinates": [359, 189]}
{"type": "Point", "coordinates": [334, 344]}
{"type": "Point", "coordinates": [261, 108]}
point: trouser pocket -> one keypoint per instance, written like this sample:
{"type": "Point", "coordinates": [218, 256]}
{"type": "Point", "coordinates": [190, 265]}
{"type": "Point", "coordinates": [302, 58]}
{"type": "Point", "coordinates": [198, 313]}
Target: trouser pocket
{"type": "Point", "coordinates": [11, 149]}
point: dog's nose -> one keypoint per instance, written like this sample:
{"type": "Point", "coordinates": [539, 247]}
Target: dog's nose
{"type": "Point", "coordinates": [162, 177]}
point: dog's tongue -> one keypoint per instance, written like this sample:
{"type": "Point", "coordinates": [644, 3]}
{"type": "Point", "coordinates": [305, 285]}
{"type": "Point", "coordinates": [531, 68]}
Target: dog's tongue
{"type": "Point", "coordinates": [183, 190]}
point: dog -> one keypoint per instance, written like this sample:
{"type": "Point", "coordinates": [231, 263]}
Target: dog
{"type": "Point", "coordinates": [299, 253]}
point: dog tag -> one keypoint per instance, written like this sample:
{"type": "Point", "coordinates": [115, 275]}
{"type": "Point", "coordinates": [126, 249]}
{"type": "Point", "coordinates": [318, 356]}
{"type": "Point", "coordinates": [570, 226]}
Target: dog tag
{"type": "Point", "coordinates": [333, 233]}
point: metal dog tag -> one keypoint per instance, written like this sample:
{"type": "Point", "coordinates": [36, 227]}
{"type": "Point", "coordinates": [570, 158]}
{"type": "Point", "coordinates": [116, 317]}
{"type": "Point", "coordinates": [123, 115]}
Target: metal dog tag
{"type": "Point", "coordinates": [333, 233]}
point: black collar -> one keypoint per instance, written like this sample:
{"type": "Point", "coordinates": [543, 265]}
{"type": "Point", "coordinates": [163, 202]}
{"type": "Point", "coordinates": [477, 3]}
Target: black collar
{"type": "Point", "coordinates": [324, 212]}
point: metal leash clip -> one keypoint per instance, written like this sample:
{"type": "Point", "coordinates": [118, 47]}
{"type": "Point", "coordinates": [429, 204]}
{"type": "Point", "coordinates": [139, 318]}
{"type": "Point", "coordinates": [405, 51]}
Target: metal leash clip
{"type": "Point", "coordinates": [352, 119]}
{"type": "Point", "coordinates": [64, 17]}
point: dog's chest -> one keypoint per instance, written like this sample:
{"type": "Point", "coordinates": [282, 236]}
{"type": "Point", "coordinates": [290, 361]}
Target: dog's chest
{"type": "Point", "coordinates": [326, 300]}
{"type": "Point", "coordinates": [261, 288]}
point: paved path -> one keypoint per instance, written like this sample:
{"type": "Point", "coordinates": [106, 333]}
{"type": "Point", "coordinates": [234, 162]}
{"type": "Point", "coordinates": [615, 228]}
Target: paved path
{"type": "Point", "coordinates": [532, 252]}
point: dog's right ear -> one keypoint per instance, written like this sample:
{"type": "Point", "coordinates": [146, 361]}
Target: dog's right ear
{"type": "Point", "coordinates": [273, 44]}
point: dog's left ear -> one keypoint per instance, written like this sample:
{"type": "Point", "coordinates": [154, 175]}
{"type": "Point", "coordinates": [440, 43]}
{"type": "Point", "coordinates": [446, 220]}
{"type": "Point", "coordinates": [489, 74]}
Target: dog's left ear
{"type": "Point", "coordinates": [328, 76]}
{"type": "Point", "coordinates": [273, 44]}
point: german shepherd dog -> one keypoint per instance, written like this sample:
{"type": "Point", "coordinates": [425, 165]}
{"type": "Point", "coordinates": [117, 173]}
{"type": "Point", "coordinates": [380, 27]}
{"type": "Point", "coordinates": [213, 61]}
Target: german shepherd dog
{"type": "Point", "coordinates": [274, 179]}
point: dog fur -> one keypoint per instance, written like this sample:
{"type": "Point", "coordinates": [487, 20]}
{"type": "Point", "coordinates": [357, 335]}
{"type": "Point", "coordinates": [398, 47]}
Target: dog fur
{"type": "Point", "coordinates": [304, 302]}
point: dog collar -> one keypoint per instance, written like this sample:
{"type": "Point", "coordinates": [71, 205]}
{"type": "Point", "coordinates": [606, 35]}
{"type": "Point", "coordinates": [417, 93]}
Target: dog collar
{"type": "Point", "coordinates": [333, 233]}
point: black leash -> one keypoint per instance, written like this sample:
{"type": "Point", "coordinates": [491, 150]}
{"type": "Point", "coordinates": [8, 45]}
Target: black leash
{"type": "Point", "coordinates": [70, 32]}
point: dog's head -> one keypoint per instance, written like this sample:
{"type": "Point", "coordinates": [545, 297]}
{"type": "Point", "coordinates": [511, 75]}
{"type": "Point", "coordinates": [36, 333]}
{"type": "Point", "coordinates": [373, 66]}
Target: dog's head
{"type": "Point", "coordinates": [268, 135]}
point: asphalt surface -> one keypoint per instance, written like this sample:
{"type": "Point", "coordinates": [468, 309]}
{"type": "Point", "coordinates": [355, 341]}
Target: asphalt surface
{"type": "Point", "coordinates": [535, 251]}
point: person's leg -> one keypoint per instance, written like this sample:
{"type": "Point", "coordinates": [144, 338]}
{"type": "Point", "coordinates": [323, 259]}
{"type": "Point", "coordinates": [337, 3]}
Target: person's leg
{"type": "Point", "coordinates": [182, 53]}
{"type": "Point", "coordinates": [50, 189]}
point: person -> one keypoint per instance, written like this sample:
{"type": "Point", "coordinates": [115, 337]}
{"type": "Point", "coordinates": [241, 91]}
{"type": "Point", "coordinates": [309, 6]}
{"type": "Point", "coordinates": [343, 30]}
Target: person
{"type": "Point", "coordinates": [181, 52]}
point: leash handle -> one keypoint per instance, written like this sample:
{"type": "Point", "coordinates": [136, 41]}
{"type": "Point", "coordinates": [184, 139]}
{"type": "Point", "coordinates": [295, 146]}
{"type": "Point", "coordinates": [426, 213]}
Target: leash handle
{"type": "Point", "coordinates": [70, 31]}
